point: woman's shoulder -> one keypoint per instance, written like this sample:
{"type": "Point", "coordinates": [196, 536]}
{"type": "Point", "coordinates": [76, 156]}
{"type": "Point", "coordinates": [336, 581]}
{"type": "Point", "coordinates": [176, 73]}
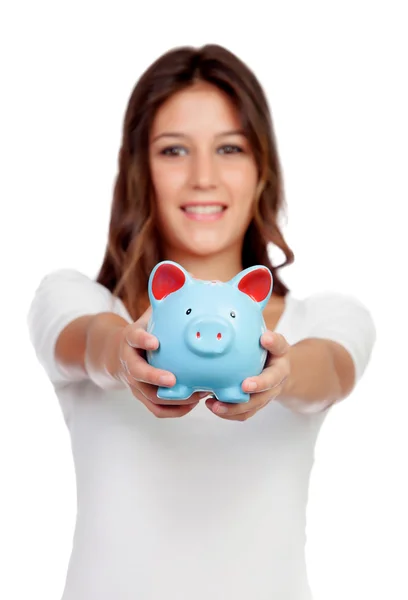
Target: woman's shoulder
{"type": "Point", "coordinates": [329, 302]}
{"type": "Point", "coordinates": [66, 276]}
{"type": "Point", "coordinates": [333, 315]}
{"type": "Point", "coordinates": [325, 311]}
{"type": "Point", "coordinates": [337, 316]}
{"type": "Point", "coordinates": [69, 286]}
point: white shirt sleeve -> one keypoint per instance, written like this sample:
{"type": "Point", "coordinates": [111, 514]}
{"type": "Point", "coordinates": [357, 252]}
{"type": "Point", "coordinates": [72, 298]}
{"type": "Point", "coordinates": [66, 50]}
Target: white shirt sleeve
{"type": "Point", "coordinates": [344, 319]}
{"type": "Point", "coordinates": [61, 297]}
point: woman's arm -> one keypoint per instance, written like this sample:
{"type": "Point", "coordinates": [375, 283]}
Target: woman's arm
{"type": "Point", "coordinates": [326, 365]}
{"type": "Point", "coordinates": [63, 306]}
{"type": "Point", "coordinates": [323, 364]}
{"type": "Point", "coordinates": [75, 353]}
{"type": "Point", "coordinates": [322, 372]}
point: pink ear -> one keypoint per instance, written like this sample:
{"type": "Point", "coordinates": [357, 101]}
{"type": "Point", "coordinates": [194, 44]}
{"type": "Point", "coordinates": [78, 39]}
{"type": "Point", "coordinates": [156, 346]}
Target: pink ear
{"type": "Point", "coordinates": [256, 284]}
{"type": "Point", "coordinates": [167, 279]}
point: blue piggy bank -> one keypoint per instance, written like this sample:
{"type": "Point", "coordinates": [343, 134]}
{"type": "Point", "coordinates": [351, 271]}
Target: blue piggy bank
{"type": "Point", "coordinates": [208, 331]}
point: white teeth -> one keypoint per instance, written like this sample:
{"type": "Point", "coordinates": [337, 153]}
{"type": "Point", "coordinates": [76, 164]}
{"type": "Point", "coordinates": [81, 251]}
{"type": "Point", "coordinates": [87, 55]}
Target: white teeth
{"type": "Point", "coordinates": [204, 210]}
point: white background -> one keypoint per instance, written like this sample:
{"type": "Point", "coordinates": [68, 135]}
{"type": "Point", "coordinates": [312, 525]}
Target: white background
{"type": "Point", "coordinates": [335, 74]}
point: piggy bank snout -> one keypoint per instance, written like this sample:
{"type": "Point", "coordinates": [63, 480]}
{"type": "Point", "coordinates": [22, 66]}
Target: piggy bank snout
{"type": "Point", "coordinates": [209, 336]}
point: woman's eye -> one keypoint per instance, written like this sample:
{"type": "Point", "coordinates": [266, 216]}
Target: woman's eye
{"type": "Point", "coordinates": [176, 150]}
{"type": "Point", "coordinates": [171, 151]}
{"type": "Point", "coordinates": [229, 147]}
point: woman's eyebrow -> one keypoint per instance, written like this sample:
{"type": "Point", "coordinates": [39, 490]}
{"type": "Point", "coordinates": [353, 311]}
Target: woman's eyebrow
{"type": "Point", "coordinates": [183, 135]}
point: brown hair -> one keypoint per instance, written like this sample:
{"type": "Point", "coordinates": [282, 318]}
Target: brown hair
{"type": "Point", "coordinates": [133, 246]}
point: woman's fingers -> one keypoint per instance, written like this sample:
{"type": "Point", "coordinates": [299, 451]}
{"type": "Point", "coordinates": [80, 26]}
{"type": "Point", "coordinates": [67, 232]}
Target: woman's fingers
{"type": "Point", "coordinates": [136, 366]}
{"type": "Point", "coordinates": [147, 395]}
{"type": "Point", "coordinates": [275, 343]}
{"type": "Point", "coordinates": [143, 379]}
{"type": "Point", "coordinates": [138, 338]}
{"type": "Point", "coordinates": [240, 411]}
{"type": "Point", "coordinates": [164, 408]}
{"type": "Point", "coordinates": [150, 392]}
{"type": "Point", "coordinates": [140, 370]}
{"type": "Point", "coordinates": [164, 411]}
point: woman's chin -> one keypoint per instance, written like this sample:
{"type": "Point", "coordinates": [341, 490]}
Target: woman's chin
{"type": "Point", "coordinates": [204, 247]}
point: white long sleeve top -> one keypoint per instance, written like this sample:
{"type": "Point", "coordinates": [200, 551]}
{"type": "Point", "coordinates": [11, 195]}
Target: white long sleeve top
{"type": "Point", "coordinates": [194, 508]}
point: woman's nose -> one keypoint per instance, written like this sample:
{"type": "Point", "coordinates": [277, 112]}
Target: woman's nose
{"type": "Point", "coordinates": [204, 170]}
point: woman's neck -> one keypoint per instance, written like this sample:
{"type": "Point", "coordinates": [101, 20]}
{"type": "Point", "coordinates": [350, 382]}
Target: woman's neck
{"type": "Point", "coordinates": [222, 267]}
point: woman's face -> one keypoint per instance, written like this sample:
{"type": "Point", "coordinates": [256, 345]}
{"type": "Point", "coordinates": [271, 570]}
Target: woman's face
{"type": "Point", "coordinates": [203, 172]}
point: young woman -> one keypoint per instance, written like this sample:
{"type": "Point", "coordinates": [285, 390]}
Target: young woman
{"type": "Point", "coordinates": [211, 505]}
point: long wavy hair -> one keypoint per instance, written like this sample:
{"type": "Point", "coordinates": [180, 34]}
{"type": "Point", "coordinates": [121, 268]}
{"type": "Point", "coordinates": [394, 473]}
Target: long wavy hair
{"type": "Point", "coordinates": [133, 246]}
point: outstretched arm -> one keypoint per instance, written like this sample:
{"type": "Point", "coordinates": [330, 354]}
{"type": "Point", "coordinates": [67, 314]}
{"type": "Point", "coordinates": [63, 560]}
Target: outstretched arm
{"type": "Point", "coordinates": [321, 373]}
{"type": "Point", "coordinates": [318, 370]}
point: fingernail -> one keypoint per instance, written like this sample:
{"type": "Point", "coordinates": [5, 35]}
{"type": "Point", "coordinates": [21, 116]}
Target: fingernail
{"type": "Point", "coordinates": [206, 395]}
{"type": "Point", "coordinates": [251, 386]}
{"type": "Point", "coordinates": [166, 380]}
{"type": "Point", "coordinates": [151, 344]}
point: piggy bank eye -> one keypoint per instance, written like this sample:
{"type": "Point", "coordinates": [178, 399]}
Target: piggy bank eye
{"type": "Point", "coordinates": [232, 314]}
{"type": "Point", "coordinates": [188, 311]}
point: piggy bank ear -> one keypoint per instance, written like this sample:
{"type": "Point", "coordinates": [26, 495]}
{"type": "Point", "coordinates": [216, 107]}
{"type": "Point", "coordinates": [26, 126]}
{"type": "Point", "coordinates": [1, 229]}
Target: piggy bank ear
{"type": "Point", "coordinates": [167, 277]}
{"type": "Point", "coordinates": [256, 282]}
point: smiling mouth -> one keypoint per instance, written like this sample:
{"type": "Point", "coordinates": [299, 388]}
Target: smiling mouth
{"type": "Point", "coordinates": [204, 209]}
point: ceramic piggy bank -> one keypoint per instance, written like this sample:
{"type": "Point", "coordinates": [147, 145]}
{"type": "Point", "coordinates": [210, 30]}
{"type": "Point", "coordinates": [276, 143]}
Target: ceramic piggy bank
{"type": "Point", "coordinates": [208, 331]}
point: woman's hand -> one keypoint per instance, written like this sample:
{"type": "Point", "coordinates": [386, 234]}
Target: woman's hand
{"type": "Point", "coordinates": [263, 388]}
{"type": "Point", "coordinates": [143, 379]}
